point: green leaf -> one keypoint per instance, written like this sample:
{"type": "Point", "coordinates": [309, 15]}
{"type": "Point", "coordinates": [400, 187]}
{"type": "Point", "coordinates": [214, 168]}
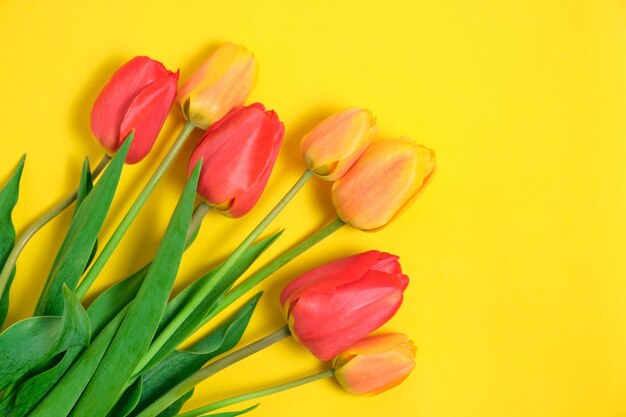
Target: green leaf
{"type": "Point", "coordinates": [84, 188]}
{"type": "Point", "coordinates": [30, 343]}
{"type": "Point", "coordinates": [6, 405]}
{"type": "Point", "coordinates": [224, 414]}
{"type": "Point", "coordinates": [173, 409]}
{"type": "Point", "coordinates": [115, 298]}
{"type": "Point", "coordinates": [134, 336]}
{"type": "Point", "coordinates": [60, 400]}
{"type": "Point", "coordinates": [8, 200]}
{"type": "Point", "coordinates": [219, 288]}
{"type": "Point", "coordinates": [128, 401]}
{"type": "Point", "coordinates": [34, 389]}
{"type": "Point", "coordinates": [81, 237]}
{"type": "Point", "coordinates": [182, 363]}
{"type": "Point", "coordinates": [102, 311]}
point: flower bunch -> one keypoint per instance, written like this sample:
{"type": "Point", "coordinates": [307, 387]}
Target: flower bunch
{"type": "Point", "coordinates": [121, 355]}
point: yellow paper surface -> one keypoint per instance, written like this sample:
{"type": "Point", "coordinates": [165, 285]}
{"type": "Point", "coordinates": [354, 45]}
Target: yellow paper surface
{"type": "Point", "coordinates": [515, 251]}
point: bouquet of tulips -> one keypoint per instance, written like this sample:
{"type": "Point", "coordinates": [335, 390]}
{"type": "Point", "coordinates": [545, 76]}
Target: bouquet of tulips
{"type": "Point", "coordinates": [120, 355]}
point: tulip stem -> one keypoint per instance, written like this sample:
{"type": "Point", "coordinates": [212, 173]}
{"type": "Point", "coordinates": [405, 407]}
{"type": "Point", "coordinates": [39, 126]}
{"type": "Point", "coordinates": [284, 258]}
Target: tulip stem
{"type": "Point", "coordinates": [257, 394]}
{"type": "Point", "coordinates": [132, 213]}
{"type": "Point", "coordinates": [202, 291]}
{"type": "Point", "coordinates": [40, 222]}
{"type": "Point", "coordinates": [201, 210]}
{"type": "Point", "coordinates": [278, 262]}
{"type": "Point", "coordinates": [191, 381]}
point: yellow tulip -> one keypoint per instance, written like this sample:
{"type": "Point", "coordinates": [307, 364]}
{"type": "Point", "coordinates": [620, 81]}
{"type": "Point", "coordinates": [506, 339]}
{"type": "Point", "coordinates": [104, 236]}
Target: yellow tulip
{"type": "Point", "coordinates": [383, 182]}
{"type": "Point", "coordinates": [375, 364]}
{"type": "Point", "coordinates": [222, 83]}
{"type": "Point", "coordinates": [330, 149]}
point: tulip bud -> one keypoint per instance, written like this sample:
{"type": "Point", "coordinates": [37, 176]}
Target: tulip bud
{"type": "Point", "coordinates": [138, 97]}
{"type": "Point", "coordinates": [331, 307]}
{"type": "Point", "coordinates": [375, 364]}
{"type": "Point", "coordinates": [222, 83]}
{"type": "Point", "coordinates": [383, 182]}
{"type": "Point", "coordinates": [331, 148]}
{"type": "Point", "coordinates": [238, 154]}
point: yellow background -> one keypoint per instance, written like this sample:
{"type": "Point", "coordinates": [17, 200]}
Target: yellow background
{"type": "Point", "coordinates": [516, 249]}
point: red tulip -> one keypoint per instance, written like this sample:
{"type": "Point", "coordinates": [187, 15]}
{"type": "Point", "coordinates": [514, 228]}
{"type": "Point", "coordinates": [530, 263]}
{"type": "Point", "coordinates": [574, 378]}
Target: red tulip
{"type": "Point", "coordinates": [335, 305]}
{"type": "Point", "coordinates": [138, 97]}
{"type": "Point", "coordinates": [238, 155]}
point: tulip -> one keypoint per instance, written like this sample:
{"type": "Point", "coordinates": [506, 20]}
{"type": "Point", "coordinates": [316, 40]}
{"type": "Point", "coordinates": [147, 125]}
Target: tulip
{"type": "Point", "coordinates": [238, 155]}
{"type": "Point", "coordinates": [138, 97]}
{"type": "Point", "coordinates": [375, 364]}
{"type": "Point", "coordinates": [330, 149]}
{"type": "Point", "coordinates": [383, 182]}
{"type": "Point", "coordinates": [222, 83]}
{"type": "Point", "coordinates": [331, 307]}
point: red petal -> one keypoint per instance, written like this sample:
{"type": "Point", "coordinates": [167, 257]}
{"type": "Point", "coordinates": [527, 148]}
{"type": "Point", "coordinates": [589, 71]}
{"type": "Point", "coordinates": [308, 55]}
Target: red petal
{"type": "Point", "coordinates": [146, 115]}
{"type": "Point", "coordinates": [327, 277]}
{"type": "Point", "coordinates": [327, 324]}
{"type": "Point", "coordinates": [238, 154]}
{"type": "Point", "coordinates": [110, 107]}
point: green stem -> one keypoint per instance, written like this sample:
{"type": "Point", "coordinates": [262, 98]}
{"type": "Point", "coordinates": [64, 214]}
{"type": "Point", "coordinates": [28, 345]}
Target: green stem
{"type": "Point", "coordinates": [201, 210]}
{"type": "Point", "coordinates": [130, 216]}
{"type": "Point", "coordinates": [191, 381]}
{"type": "Point", "coordinates": [202, 292]}
{"type": "Point", "coordinates": [274, 266]}
{"type": "Point", "coordinates": [40, 222]}
{"type": "Point", "coordinates": [257, 394]}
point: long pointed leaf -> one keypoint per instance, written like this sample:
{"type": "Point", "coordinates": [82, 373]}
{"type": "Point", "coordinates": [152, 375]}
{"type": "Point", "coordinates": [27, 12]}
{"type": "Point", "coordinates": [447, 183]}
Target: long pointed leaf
{"type": "Point", "coordinates": [140, 325]}
{"type": "Point", "coordinates": [84, 188]}
{"type": "Point", "coordinates": [173, 409]}
{"type": "Point", "coordinates": [8, 200]}
{"type": "Point", "coordinates": [182, 363]}
{"type": "Point", "coordinates": [129, 400]}
{"type": "Point", "coordinates": [102, 311]}
{"type": "Point", "coordinates": [219, 288]}
{"type": "Point", "coordinates": [60, 400]}
{"type": "Point", "coordinates": [30, 343]}
{"type": "Point", "coordinates": [81, 237]}
{"type": "Point", "coordinates": [224, 414]}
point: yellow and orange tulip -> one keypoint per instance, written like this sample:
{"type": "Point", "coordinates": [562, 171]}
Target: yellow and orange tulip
{"type": "Point", "coordinates": [383, 182]}
{"type": "Point", "coordinates": [222, 83]}
{"type": "Point", "coordinates": [330, 149]}
{"type": "Point", "coordinates": [375, 364]}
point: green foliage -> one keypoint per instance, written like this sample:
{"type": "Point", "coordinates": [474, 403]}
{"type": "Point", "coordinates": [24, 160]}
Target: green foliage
{"type": "Point", "coordinates": [81, 237]}
{"type": "Point", "coordinates": [30, 343]}
{"type": "Point", "coordinates": [8, 199]}
{"type": "Point", "coordinates": [179, 364]}
{"type": "Point", "coordinates": [138, 328]}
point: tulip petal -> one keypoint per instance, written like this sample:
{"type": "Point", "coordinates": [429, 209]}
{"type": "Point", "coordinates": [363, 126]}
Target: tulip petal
{"type": "Point", "coordinates": [220, 84]}
{"type": "Point", "coordinates": [374, 374]}
{"type": "Point", "coordinates": [382, 183]}
{"type": "Point", "coordinates": [110, 107]}
{"type": "Point", "coordinates": [238, 153]}
{"type": "Point", "coordinates": [331, 148]}
{"type": "Point", "coordinates": [146, 115]}
{"type": "Point", "coordinates": [375, 364]}
{"type": "Point", "coordinates": [342, 271]}
{"type": "Point", "coordinates": [346, 315]}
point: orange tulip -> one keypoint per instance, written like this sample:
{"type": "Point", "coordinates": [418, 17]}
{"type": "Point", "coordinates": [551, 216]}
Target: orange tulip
{"type": "Point", "coordinates": [331, 148]}
{"type": "Point", "coordinates": [383, 182]}
{"type": "Point", "coordinates": [222, 83]}
{"type": "Point", "coordinates": [375, 364]}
